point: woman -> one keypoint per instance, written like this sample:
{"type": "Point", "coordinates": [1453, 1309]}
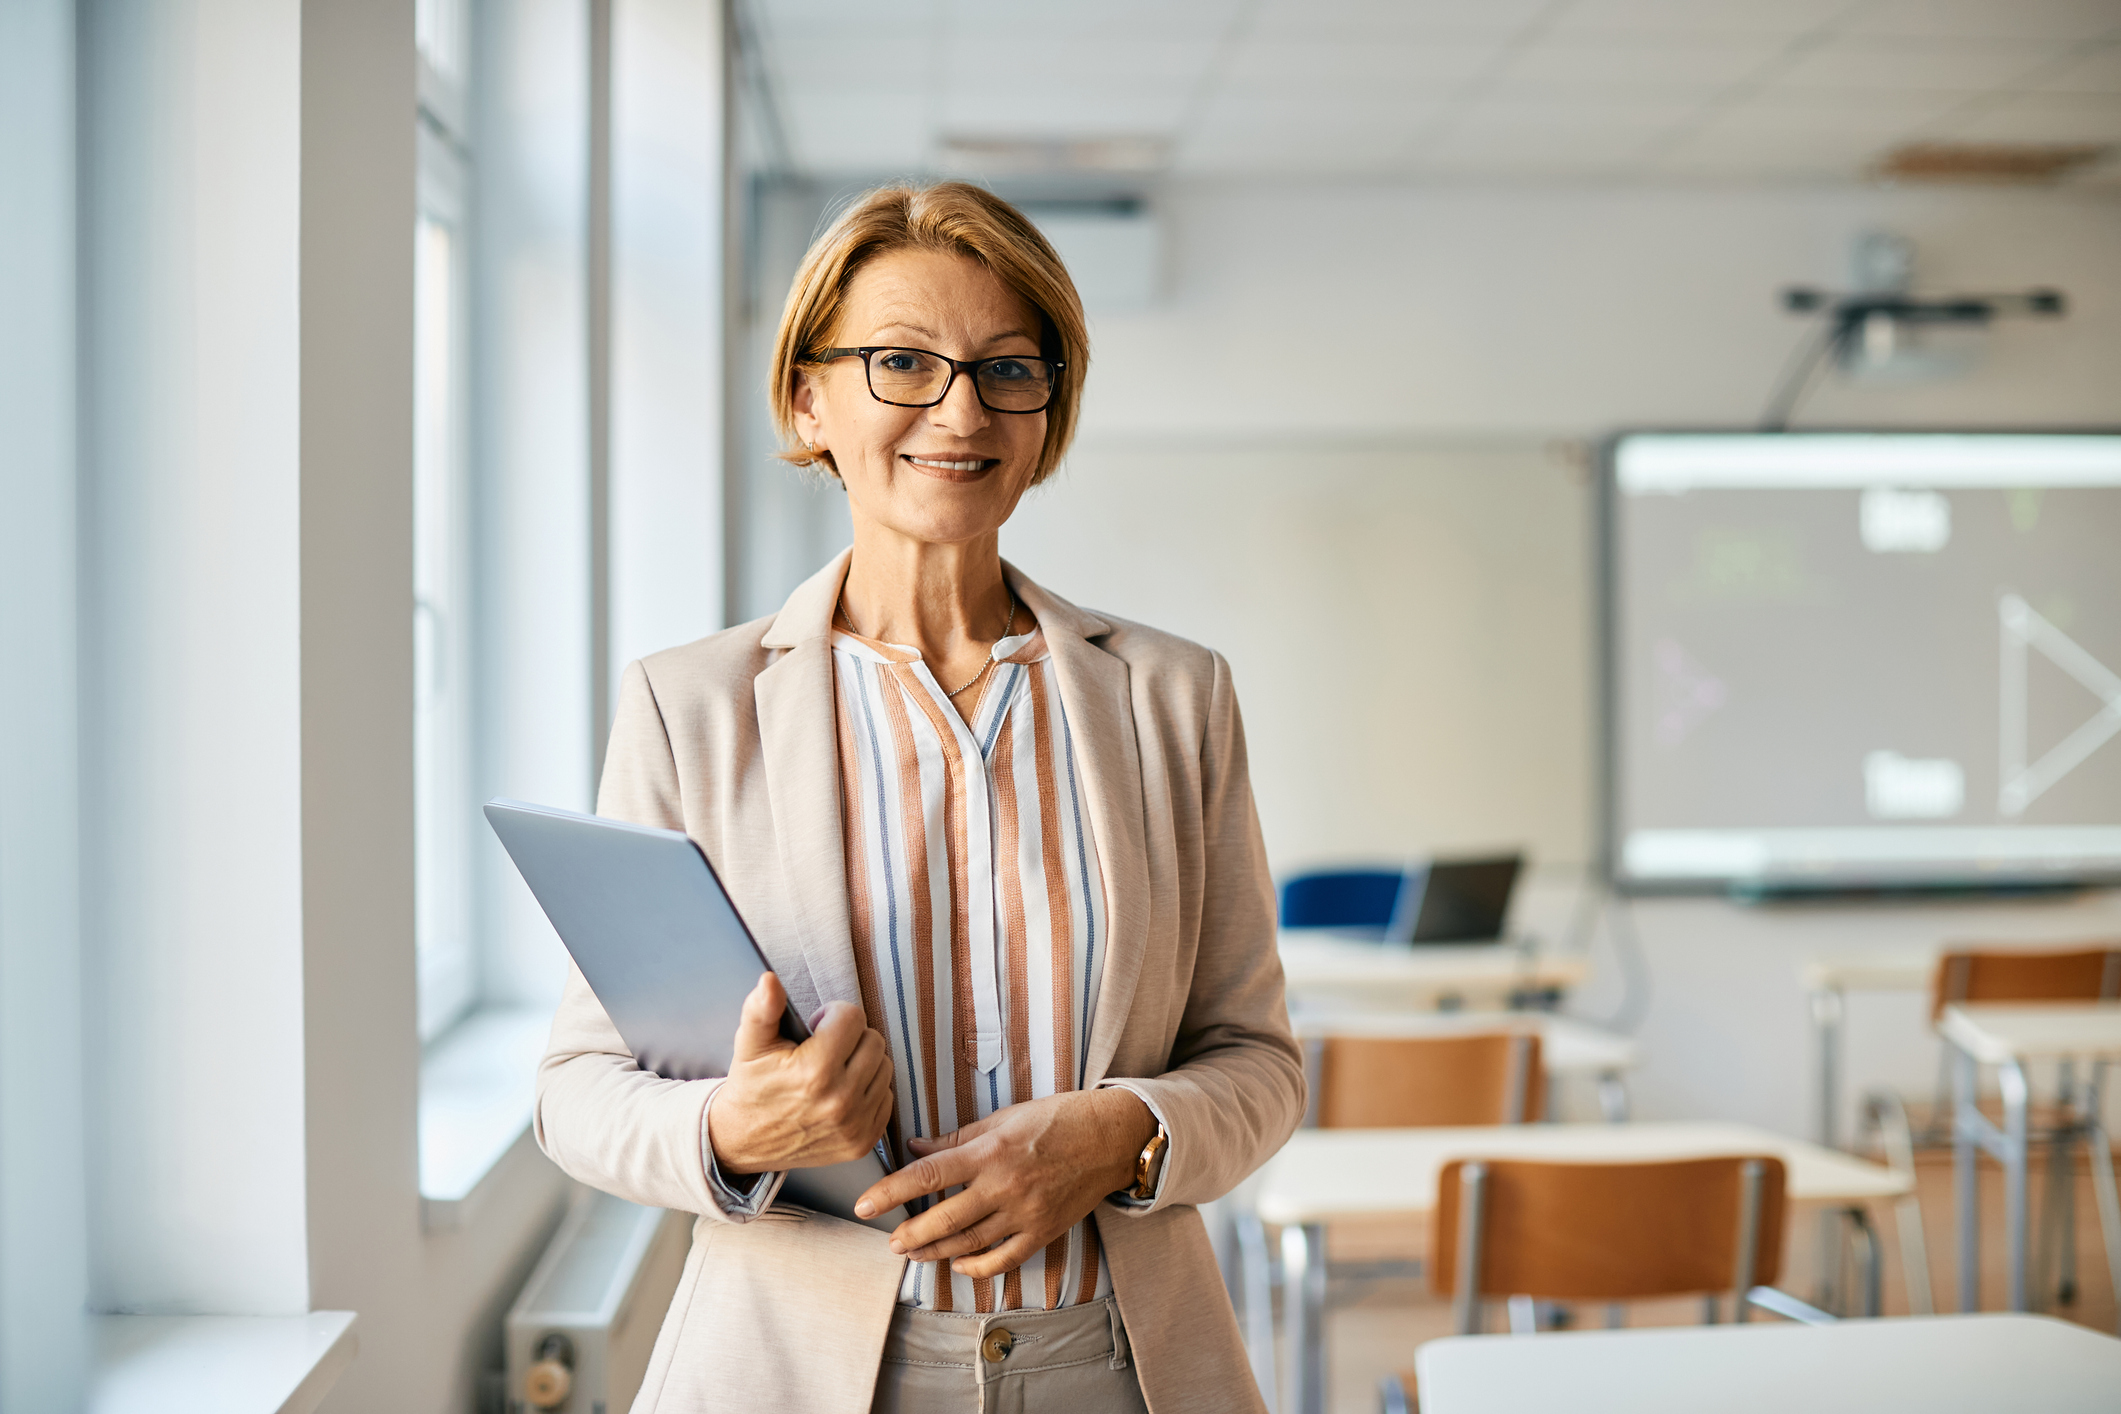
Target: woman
{"type": "Point", "coordinates": [1002, 849]}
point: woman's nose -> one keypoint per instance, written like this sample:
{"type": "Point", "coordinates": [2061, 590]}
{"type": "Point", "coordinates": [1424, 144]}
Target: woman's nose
{"type": "Point", "coordinates": [960, 411]}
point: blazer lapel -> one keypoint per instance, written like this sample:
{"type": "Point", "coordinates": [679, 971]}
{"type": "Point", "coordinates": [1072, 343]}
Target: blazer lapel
{"type": "Point", "coordinates": [1095, 691]}
{"type": "Point", "coordinates": [795, 699]}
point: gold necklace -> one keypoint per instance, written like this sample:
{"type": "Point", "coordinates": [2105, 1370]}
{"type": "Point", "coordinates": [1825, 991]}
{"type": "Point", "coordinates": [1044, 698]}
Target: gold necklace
{"type": "Point", "coordinates": [1009, 624]}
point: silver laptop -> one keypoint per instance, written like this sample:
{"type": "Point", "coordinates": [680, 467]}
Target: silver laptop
{"type": "Point", "coordinates": [667, 955]}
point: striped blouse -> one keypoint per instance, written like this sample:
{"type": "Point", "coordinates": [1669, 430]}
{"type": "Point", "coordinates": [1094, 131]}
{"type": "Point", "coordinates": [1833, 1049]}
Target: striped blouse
{"type": "Point", "coordinates": [977, 913]}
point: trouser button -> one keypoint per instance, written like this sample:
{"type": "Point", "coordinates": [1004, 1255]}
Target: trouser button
{"type": "Point", "coordinates": [997, 1345]}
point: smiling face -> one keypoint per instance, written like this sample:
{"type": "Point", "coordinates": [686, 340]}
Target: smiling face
{"type": "Point", "coordinates": [946, 474]}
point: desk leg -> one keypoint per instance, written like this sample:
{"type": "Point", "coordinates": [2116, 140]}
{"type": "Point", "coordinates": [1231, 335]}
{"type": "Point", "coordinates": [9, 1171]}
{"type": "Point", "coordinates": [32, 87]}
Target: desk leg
{"type": "Point", "coordinates": [1612, 1097]}
{"type": "Point", "coordinates": [1966, 1176]}
{"type": "Point", "coordinates": [1870, 1267]}
{"type": "Point", "coordinates": [1256, 1281]}
{"type": "Point", "coordinates": [2016, 1201]}
{"type": "Point", "coordinates": [1827, 1013]}
{"type": "Point", "coordinates": [1303, 1265]}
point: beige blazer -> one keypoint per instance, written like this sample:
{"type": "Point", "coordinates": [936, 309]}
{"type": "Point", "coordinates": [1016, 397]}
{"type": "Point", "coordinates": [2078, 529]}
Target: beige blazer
{"type": "Point", "coordinates": [731, 739]}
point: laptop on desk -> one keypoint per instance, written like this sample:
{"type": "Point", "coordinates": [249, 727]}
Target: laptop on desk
{"type": "Point", "coordinates": [1454, 900]}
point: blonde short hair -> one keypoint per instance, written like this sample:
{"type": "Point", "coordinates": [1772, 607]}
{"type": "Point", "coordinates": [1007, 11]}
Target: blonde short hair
{"type": "Point", "coordinates": [957, 219]}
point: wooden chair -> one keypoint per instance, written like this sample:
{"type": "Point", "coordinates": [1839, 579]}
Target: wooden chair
{"type": "Point", "coordinates": [1531, 1232]}
{"type": "Point", "coordinates": [1974, 973]}
{"type": "Point", "coordinates": [1604, 1233]}
{"type": "Point", "coordinates": [1405, 1082]}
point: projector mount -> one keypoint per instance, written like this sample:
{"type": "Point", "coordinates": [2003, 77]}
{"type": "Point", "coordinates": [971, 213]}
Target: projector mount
{"type": "Point", "coordinates": [1869, 326]}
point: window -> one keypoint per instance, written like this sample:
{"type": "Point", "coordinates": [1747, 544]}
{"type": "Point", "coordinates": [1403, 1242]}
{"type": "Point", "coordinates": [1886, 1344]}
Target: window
{"type": "Point", "coordinates": [445, 811]}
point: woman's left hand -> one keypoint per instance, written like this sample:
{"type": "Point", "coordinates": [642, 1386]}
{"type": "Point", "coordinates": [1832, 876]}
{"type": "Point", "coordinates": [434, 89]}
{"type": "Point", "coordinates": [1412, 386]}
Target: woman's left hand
{"type": "Point", "coordinates": [1030, 1172]}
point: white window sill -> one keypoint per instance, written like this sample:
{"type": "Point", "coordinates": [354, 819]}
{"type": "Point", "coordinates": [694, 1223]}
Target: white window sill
{"type": "Point", "coordinates": [476, 1088]}
{"type": "Point", "coordinates": [219, 1364]}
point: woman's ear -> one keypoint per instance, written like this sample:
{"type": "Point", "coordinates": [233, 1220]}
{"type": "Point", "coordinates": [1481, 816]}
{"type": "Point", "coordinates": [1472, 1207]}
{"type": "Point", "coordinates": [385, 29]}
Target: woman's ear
{"type": "Point", "coordinates": [807, 425]}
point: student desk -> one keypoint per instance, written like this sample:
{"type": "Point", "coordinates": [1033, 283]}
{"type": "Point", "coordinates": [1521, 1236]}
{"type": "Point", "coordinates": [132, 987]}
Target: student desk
{"type": "Point", "coordinates": [1322, 1175]}
{"type": "Point", "coordinates": [1827, 982]}
{"type": "Point", "coordinates": [1355, 973]}
{"type": "Point", "coordinates": [2006, 1036]}
{"type": "Point", "coordinates": [1567, 1047]}
{"type": "Point", "coordinates": [1945, 1364]}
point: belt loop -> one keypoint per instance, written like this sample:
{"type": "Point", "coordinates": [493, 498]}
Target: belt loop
{"type": "Point", "coordinates": [1119, 1335]}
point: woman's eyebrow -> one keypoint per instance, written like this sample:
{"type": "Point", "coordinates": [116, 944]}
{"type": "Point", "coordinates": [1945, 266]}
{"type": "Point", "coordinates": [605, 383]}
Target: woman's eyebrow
{"type": "Point", "coordinates": [923, 332]}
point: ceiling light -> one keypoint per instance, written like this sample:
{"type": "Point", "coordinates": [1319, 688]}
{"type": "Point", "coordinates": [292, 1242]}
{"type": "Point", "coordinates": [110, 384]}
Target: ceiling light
{"type": "Point", "coordinates": [1024, 157]}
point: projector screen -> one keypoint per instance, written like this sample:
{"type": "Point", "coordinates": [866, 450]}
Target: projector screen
{"type": "Point", "coordinates": [1857, 660]}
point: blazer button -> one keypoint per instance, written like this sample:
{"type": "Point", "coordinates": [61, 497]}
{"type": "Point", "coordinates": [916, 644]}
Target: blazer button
{"type": "Point", "coordinates": [997, 1345]}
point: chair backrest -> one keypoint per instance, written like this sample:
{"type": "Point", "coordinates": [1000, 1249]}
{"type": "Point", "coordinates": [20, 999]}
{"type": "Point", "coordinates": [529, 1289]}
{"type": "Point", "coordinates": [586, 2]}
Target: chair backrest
{"type": "Point", "coordinates": [2089, 972]}
{"type": "Point", "coordinates": [1348, 898]}
{"type": "Point", "coordinates": [1403, 1082]}
{"type": "Point", "coordinates": [1605, 1232]}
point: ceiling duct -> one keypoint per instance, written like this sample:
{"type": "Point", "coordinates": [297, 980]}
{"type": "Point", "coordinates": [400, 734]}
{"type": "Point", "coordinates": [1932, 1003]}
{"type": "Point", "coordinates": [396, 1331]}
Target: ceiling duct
{"type": "Point", "coordinates": [2016, 164]}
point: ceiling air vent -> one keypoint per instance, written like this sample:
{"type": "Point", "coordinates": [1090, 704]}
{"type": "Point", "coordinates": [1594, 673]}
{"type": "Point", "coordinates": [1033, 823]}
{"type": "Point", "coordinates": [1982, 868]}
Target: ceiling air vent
{"type": "Point", "coordinates": [1988, 162]}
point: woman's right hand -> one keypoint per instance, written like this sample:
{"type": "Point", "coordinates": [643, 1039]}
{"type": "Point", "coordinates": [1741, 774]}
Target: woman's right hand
{"type": "Point", "coordinates": [788, 1106]}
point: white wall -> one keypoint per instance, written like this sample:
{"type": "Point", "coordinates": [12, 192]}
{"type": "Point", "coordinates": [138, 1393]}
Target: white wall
{"type": "Point", "coordinates": [43, 1208]}
{"type": "Point", "coordinates": [191, 666]}
{"type": "Point", "coordinates": [1346, 452]}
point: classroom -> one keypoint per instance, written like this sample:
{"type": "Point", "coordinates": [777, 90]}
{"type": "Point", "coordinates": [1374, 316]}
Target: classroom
{"type": "Point", "coordinates": [1319, 706]}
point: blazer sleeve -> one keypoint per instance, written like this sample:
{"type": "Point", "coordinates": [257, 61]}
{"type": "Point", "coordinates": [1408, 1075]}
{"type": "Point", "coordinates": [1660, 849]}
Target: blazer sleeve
{"type": "Point", "coordinates": [1234, 1090]}
{"type": "Point", "coordinates": [598, 1115]}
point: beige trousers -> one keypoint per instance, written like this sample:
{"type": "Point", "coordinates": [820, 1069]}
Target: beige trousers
{"type": "Point", "coordinates": [1071, 1361]}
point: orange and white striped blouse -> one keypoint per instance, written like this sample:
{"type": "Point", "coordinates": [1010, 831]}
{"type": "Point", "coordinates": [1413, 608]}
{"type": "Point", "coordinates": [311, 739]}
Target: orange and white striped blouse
{"type": "Point", "coordinates": [978, 916]}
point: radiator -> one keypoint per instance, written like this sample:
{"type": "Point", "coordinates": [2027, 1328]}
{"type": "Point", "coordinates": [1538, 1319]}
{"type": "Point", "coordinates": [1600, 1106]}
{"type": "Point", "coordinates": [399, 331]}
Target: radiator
{"type": "Point", "coordinates": [579, 1335]}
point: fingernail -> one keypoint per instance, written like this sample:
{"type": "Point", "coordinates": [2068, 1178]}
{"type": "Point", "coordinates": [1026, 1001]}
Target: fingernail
{"type": "Point", "coordinates": [898, 1249]}
{"type": "Point", "coordinates": [865, 1209]}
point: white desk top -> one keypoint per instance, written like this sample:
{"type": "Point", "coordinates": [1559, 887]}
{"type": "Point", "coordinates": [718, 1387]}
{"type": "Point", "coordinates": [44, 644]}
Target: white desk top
{"type": "Point", "coordinates": [1994, 1033]}
{"type": "Point", "coordinates": [1321, 960]}
{"type": "Point", "coordinates": [1879, 972]}
{"type": "Point", "coordinates": [1945, 1364]}
{"type": "Point", "coordinates": [1324, 1174]}
{"type": "Point", "coordinates": [1567, 1046]}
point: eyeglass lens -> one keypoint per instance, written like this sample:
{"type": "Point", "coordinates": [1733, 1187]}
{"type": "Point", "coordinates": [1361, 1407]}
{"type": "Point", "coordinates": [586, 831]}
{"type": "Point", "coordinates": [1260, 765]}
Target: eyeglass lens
{"type": "Point", "coordinates": [918, 378]}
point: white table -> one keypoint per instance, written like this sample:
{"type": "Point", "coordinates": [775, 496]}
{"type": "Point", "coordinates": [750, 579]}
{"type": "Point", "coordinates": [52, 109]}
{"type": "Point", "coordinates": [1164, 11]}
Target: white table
{"type": "Point", "coordinates": [1362, 974]}
{"type": "Point", "coordinates": [1324, 1175]}
{"type": "Point", "coordinates": [1566, 1046]}
{"type": "Point", "coordinates": [2007, 1036]}
{"type": "Point", "coordinates": [1938, 1364]}
{"type": "Point", "coordinates": [1827, 982]}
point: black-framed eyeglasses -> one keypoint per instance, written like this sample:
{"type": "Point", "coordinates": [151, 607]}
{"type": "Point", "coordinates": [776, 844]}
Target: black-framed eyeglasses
{"type": "Point", "coordinates": [921, 378]}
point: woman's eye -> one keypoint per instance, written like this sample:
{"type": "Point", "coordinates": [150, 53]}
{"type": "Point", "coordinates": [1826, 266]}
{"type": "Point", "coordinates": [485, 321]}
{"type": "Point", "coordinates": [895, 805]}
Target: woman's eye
{"type": "Point", "coordinates": [898, 363]}
{"type": "Point", "coordinates": [1009, 370]}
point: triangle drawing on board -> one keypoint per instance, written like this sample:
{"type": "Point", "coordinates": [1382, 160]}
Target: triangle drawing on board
{"type": "Point", "coordinates": [2025, 630]}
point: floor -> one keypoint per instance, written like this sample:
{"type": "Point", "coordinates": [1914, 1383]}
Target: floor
{"type": "Point", "coordinates": [1381, 1308]}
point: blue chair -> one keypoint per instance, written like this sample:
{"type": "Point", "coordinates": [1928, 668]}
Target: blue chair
{"type": "Point", "coordinates": [1342, 898]}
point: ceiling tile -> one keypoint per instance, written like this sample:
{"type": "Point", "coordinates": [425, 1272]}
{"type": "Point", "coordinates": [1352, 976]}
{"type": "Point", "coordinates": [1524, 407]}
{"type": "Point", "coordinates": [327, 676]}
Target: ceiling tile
{"type": "Point", "coordinates": [803, 22]}
{"type": "Point", "coordinates": [1004, 63]}
{"type": "Point", "coordinates": [1786, 18]}
{"type": "Point", "coordinates": [1268, 65]}
{"type": "Point", "coordinates": [1112, 21]}
{"type": "Point", "coordinates": [1406, 18]}
{"type": "Point", "coordinates": [1565, 62]}
{"type": "Point", "coordinates": [1870, 62]}
{"type": "Point", "coordinates": [867, 62]}
{"type": "Point", "coordinates": [997, 108]}
{"type": "Point", "coordinates": [1989, 19]}
{"type": "Point", "coordinates": [849, 130]}
{"type": "Point", "coordinates": [2045, 117]}
{"type": "Point", "coordinates": [2094, 71]}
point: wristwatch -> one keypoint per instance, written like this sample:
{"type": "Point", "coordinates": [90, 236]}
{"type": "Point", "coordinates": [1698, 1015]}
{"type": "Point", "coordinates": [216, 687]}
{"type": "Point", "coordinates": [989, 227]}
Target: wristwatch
{"type": "Point", "coordinates": [1150, 1165]}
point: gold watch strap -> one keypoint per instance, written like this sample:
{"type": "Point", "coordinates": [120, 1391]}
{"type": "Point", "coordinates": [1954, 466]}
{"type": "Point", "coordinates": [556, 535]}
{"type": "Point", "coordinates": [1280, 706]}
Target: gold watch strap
{"type": "Point", "coordinates": [1144, 1176]}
